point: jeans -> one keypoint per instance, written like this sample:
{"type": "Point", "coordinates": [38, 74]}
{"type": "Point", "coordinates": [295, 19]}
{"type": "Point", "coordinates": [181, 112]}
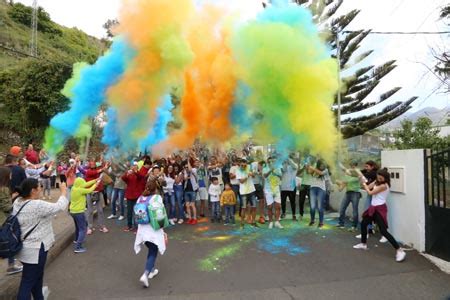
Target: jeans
{"type": "Point", "coordinates": [80, 228]}
{"type": "Point", "coordinates": [178, 189]}
{"type": "Point", "coordinates": [215, 210]}
{"type": "Point", "coordinates": [284, 196]}
{"type": "Point", "coordinates": [32, 278]}
{"type": "Point", "coordinates": [381, 225]}
{"type": "Point", "coordinates": [316, 202]}
{"type": "Point", "coordinates": [118, 194]}
{"type": "Point", "coordinates": [46, 184]}
{"type": "Point", "coordinates": [169, 203]}
{"type": "Point", "coordinates": [130, 213]}
{"type": "Point", "coordinates": [235, 188]}
{"type": "Point", "coordinates": [98, 198]}
{"type": "Point", "coordinates": [151, 256]}
{"type": "Point", "coordinates": [190, 196]}
{"type": "Point", "coordinates": [229, 213]}
{"type": "Point", "coordinates": [304, 191]}
{"type": "Point", "coordinates": [350, 197]}
{"type": "Point", "coordinates": [109, 189]}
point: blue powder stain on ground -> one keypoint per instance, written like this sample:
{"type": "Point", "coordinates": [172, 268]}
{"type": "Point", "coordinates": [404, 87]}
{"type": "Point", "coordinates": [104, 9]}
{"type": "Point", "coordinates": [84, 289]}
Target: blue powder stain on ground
{"type": "Point", "coordinates": [281, 245]}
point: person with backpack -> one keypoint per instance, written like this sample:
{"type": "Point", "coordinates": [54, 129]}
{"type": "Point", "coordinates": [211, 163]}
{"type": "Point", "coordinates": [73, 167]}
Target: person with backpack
{"type": "Point", "coordinates": [5, 210]}
{"type": "Point", "coordinates": [151, 218]}
{"type": "Point", "coordinates": [35, 219]}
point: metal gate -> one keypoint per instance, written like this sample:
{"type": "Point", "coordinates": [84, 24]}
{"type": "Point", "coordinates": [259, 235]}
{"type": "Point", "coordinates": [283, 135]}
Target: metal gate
{"type": "Point", "coordinates": [437, 203]}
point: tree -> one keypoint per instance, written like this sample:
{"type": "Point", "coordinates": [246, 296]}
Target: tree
{"type": "Point", "coordinates": [442, 56]}
{"type": "Point", "coordinates": [359, 86]}
{"type": "Point", "coordinates": [109, 26]}
{"type": "Point", "coordinates": [30, 96]}
{"type": "Point", "coordinates": [420, 135]}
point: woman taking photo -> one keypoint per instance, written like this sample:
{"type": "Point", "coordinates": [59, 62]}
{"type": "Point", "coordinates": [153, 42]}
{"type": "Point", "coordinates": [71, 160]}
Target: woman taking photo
{"type": "Point", "coordinates": [35, 221]}
{"type": "Point", "coordinates": [154, 240]}
{"type": "Point", "coordinates": [377, 212]}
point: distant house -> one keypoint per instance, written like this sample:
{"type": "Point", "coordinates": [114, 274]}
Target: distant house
{"type": "Point", "coordinates": [372, 142]}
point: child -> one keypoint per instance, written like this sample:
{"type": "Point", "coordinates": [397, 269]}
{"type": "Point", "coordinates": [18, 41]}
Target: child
{"type": "Point", "coordinates": [228, 200]}
{"type": "Point", "coordinates": [80, 189]}
{"type": "Point", "coordinates": [214, 193]}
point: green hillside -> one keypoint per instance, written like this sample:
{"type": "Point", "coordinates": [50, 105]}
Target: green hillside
{"type": "Point", "coordinates": [30, 87]}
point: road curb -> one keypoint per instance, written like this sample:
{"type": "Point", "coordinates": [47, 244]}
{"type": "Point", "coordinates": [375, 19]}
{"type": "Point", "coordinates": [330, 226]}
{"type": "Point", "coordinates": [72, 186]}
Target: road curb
{"type": "Point", "coordinates": [9, 285]}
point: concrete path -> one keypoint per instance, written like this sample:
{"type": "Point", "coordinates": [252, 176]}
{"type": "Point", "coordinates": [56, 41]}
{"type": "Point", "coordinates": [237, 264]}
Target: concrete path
{"type": "Point", "coordinates": [213, 261]}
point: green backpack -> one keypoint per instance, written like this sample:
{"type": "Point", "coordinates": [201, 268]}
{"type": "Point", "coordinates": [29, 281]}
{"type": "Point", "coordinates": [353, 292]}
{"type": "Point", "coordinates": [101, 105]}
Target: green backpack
{"type": "Point", "coordinates": [157, 213]}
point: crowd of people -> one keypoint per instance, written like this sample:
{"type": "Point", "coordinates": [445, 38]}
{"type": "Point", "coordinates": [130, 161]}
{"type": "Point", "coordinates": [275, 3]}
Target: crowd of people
{"type": "Point", "coordinates": [224, 187]}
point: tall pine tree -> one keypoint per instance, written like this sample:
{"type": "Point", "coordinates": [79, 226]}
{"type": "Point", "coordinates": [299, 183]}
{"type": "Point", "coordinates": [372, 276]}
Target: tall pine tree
{"type": "Point", "coordinates": [359, 86]}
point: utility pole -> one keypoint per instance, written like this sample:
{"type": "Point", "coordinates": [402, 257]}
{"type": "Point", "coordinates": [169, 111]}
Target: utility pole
{"type": "Point", "coordinates": [34, 24]}
{"type": "Point", "coordinates": [338, 57]}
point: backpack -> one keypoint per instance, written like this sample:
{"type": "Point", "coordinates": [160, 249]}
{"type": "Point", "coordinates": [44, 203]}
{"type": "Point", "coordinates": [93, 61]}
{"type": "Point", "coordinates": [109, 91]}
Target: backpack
{"type": "Point", "coordinates": [141, 213]}
{"type": "Point", "coordinates": [158, 214]}
{"type": "Point", "coordinates": [10, 233]}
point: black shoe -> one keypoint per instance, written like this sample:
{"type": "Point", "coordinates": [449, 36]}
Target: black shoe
{"type": "Point", "coordinates": [311, 223]}
{"type": "Point", "coordinates": [283, 216]}
{"type": "Point", "coordinates": [202, 215]}
{"type": "Point", "coordinates": [212, 220]}
{"type": "Point", "coordinates": [294, 218]}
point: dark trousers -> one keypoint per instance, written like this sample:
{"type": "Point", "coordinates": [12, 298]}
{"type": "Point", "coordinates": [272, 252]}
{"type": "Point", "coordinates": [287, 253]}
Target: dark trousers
{"type": "Point", "coordinates": [151, 256]}
{"type": "Point", "coordinates": [80, 228]}
{"type": "Point", "coordinates": [304, 191]}
{"type": "Point", "coordinates": [130, 212]}
{"type": "Point", "coordinates": [32, 278]}
{"type": "Point", "coordinates": [381, 225]}
{"type": "Point", "coordinates": [284, 196]}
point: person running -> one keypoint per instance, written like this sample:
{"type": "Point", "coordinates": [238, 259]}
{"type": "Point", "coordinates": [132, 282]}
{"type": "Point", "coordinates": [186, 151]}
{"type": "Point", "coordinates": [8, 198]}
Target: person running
{"type": "Point", "coordinates": [35, 221]}
{"type": "Point", "coordinates": [214, 192]}
{"type": "Point", "coordinates": [288, 186]}
{"type": "Point", "coordinates": [228, 202]}
{"type": "Point", "coordinates": [351, 182]}
{"type": "Point", "coordinates": [154, 240]}
{"type": "Point", "coordinates": [318, 190]}
{"type": "Point", "coordinates": [272, 180]}
{"type": "Point", "coordinates": [377, 212]}
{"type": "Point", "coordinates": [77, 208]}
{"type": "Point", "coordinates": [246, 190]}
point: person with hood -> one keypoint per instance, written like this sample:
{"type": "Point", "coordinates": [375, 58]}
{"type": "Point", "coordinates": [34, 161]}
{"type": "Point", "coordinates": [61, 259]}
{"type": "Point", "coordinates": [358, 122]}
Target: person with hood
{"type": "Point", "coordinates": [79, 191]}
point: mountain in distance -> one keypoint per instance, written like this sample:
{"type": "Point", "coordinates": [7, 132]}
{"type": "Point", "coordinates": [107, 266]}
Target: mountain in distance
{"type": "Point", "coordinates": [438, 116]}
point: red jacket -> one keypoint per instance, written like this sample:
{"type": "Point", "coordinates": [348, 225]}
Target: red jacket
{"type": "Point", "coordinates": [142, 178]}
{"type": "Point", "coordinates": [92, 174]}
{"type": "Point", "coordinates": [32, 156]}
{"type": "Point", "coordinates": [133, 190]}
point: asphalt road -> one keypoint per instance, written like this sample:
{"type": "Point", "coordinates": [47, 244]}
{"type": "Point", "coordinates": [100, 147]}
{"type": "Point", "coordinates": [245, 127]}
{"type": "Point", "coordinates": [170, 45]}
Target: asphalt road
{"type": "Point", "coordinates": [213, 261]}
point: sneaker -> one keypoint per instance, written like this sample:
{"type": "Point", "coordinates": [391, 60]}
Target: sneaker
{"type": "Point", "coordinates": [112, 217]}
{"type": "Point", "coordinates": [144, 280]}
{"type": "Point", "coordinates": [194, 222]}
{"type": "Point", "coordinates": [353, 229]}
{"type": "Point", "coordinates": [171, 222]}
{"type": "Point", "coordinates": [359, 236]}
{"type": "Point", "coordinates": [121, 218]}
{"type": "Point", "coordinates": [127, 229]}
{"type": "Point", "coordinates": [153, 274]}
{"type": "Point", "coordinates": [80, 250]}
{"type": "Point", "coordinates": [255, 225]}
{"type": "Point", "coordinates": [189, 221]}
{"type": "Point", "coordinates": [212, 220]}
{"type": "Point", "coordinates": [202, 215]}
{"type": "Point", "coordinates": [294, 218]}
{"type": "Point", "coordinates": [89, 231]}
{"type": "Point", "coordinates": [45, 292]}
{"type": "Point", "coordinates": [104, 230]}
{"type": "Point", "coordinates": [270, 225]}
{"type": "Point", "coordinates": [14, 270]}
{"type": "Point", "coordinates": [383, 240]}
{"type": "Point", "coordinates": [283, 216]}
{"type": "Point", "coordinates": [311, 223]}
{"type": "Point", "coordinates": [180, 221]}
{"type": "Point", "coordinates": [320, 225]}
{"type": "Point", "coordinates": [400, 255]}
{"type": "Point", "coordinates": [340, 226]}
{"type": "Point", "coordinates": [360, 246]}
{"type": "Point", "coordinates": [278, 225]}
{"type": "Point", "coordinates": [262, 220]}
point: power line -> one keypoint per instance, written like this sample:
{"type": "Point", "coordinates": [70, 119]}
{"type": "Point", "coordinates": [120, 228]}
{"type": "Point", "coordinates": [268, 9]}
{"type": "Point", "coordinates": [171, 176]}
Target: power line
{"type": "Point", "coordinates": [399, 32]}
{"type": "Point", "coordinates": [32, 56]}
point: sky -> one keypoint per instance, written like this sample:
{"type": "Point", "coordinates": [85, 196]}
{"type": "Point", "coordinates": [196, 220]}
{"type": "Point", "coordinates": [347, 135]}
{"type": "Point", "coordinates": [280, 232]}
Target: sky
{"type": "Point", "coordinates": [412, 52]}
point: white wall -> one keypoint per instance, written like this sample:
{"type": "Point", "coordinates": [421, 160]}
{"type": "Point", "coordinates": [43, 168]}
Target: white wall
{"type": "Point", "coordinates": [406, 212]}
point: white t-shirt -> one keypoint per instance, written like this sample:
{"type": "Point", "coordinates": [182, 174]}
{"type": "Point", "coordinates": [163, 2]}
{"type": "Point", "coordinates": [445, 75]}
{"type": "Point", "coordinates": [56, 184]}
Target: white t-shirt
{"type": "Point", "coordinates": [380, 198]}
{"type": "Point", "coordinates": [247, 187]}
{"type": "Point", "coordinates": [169, 184]}
{"type": "Point", "coordinates": [233, 170]}
{"type": "Point", "coordinates": [214, 192]}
